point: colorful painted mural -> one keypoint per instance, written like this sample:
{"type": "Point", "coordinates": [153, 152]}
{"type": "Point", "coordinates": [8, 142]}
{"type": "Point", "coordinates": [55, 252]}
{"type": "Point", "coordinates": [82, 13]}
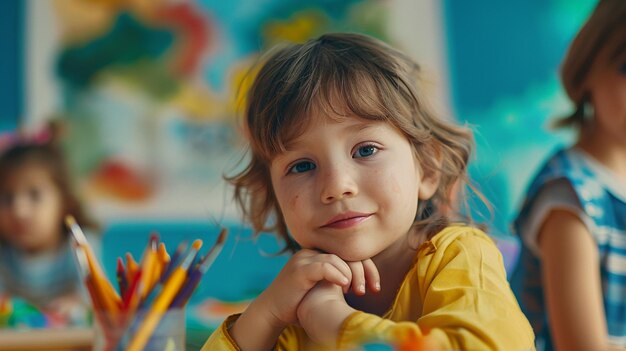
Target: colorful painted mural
{"type": "Point", "coordinates": [149, 91]}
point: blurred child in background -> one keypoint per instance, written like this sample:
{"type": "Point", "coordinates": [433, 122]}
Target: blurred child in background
{"type": "Point", "coordinates": [355, 173]}
{"type": "Point", "coordinates": [36, 260]}
{"type": "Point", "coordinates": [571, 279]}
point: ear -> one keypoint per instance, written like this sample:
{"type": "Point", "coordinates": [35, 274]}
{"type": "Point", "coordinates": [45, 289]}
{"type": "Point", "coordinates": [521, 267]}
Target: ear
{"type": "Point", "coordinates": [429, 184]}
{"type": "Point", "coordinates": [431, 177]}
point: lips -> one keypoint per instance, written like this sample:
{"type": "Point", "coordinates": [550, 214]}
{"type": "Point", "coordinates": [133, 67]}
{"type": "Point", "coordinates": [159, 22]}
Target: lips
{"type": "Point", "coordinates": [346, 220]}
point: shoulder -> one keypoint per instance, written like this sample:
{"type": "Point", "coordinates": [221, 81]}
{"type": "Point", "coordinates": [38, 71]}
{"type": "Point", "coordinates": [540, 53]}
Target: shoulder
{"type": "Point", "coordinates": [556, 183]}
{"type": "Point", "coordinates": [459, 256]}
{"type": "Point", "coordinates": [463, 244]}
{"type": "Point", "coordinates": [459, 234]}
{"type": "Point", "coordinates": [564, 233]}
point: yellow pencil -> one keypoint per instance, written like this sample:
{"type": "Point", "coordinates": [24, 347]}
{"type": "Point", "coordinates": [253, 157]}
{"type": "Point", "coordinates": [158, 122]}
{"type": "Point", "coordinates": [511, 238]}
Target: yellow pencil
{"type": "Point", "coordinates": [163, 258]}
{"type": "Point", "coordinates": [149, 262]}
{"type": "Point", "coordinates": [159, 307]}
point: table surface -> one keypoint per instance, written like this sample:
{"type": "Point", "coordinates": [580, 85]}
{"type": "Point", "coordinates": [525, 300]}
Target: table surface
{"type": "Point", "coordinates": [79, 338]}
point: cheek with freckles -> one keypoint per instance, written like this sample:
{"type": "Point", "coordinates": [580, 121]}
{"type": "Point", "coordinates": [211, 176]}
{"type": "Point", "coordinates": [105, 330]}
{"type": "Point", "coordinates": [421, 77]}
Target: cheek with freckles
{"type": "Point", "coordinates": [293, 200]}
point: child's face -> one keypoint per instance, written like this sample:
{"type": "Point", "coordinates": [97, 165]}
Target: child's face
{"type": "Point", "coordinates": [30, 209]}
{"type": "Point", "coordinates": [608, 92]}
{"type": "Point", "coordinates": [349, 186]}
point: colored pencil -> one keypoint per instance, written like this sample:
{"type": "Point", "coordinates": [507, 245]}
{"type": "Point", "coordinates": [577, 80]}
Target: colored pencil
{"type": "Point", "coordinates": [120, 274]}
{"type": "Point", "coordinates": [110, 299]}
{"type": "Point", "coordinates": [148, 263]}
{"type": "Point", "coordinates": [174, 260]}
{"type": "Point", "coordinates": [196, 273]}
{"type": "Point", "coordinates": [157, 283]}
{"type": "Point", "coordinates": [163, 300]}
{"type": "Point", "coordinates": [132, 267]}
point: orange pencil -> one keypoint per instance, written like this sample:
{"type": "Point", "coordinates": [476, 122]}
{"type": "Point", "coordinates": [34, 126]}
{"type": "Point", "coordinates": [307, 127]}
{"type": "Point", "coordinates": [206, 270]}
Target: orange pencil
{"type": "Point", "coordinates": [110, 299]}
{"type": "Point", "coordinates": [163, 300]}
{"type": "Point", "coordinates": [100, 314]}
{"type": "Point", "coordinates": [132, 267]}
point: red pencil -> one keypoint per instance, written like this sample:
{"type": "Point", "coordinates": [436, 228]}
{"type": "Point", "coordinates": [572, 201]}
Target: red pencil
{"type": "Point", "coordinates": [122, 282]}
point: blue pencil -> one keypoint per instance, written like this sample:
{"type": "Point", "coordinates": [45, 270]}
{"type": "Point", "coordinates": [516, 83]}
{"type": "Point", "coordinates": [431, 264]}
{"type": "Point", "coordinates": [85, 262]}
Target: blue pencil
{"type": "Point", "coordinates": [194, 276]}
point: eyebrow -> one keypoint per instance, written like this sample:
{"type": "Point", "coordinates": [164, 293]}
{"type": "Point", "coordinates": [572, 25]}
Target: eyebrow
{"type": "Point", "coordinates": [357, 127]}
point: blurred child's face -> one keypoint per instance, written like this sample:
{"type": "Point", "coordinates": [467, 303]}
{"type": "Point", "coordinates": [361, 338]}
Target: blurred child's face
{"type": "Point", "coordinates": [30, 209]}
{"type": "Point", "coordinates": [349, 186]}
{"type": "Point", "coordinates": [608, 93]}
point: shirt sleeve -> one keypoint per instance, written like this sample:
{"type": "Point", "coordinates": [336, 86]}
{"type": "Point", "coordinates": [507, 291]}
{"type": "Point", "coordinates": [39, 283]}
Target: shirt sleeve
{"type": "Point", "coordinates": [557, 195]}
{"type": "Point", "coordinates": [466, 303]}
{"type": "Point", "coordinates": [221, 340]}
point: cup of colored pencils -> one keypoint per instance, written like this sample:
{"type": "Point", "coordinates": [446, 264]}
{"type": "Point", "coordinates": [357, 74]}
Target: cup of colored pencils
{"type": "Point", "coordinates": [147, 310]}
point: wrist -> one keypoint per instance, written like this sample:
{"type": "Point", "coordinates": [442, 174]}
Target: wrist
{"type": "Point", "coordinates": [324, 324]}
{"type": "Point", "coordinates": [257, 328]}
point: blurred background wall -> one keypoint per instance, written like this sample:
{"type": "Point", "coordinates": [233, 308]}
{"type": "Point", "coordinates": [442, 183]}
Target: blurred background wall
{"type": "Point", "coordinates": [147, 88]}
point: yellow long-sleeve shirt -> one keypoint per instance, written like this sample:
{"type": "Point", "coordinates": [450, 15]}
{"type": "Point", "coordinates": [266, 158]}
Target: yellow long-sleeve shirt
{"type": "Point", "coordinates": [456, 293]}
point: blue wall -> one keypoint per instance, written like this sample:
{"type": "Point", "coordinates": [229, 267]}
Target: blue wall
{"type": "Point", "coordinates": [11, 63]}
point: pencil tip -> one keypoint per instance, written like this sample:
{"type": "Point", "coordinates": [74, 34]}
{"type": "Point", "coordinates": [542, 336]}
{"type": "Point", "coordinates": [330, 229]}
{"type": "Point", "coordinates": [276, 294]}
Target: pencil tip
{"type": "Point", "coordinates": [197, 244]}
{"type": "Point", "coordinates": [222, 237]}
{"type": "Point", "coordinates": [69, 220]}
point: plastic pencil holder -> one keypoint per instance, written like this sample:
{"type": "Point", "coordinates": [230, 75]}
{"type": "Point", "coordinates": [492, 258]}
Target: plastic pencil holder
{"type": "Point", "coordinates": [116, 333]}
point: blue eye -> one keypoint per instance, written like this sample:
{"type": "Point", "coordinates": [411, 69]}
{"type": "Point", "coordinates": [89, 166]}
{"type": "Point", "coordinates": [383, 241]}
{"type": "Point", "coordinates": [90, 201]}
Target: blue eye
{"type": "Point", "coordinates": [302, 167]}
{"type": "Point", "coordinates": [622, 68]}
{"type": "Point", "coordinates": [365, 151]}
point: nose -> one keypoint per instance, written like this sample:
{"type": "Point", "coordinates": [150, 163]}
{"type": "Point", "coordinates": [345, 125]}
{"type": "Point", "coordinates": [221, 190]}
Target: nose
{"type": "Point", "coordinates": [337, 183]}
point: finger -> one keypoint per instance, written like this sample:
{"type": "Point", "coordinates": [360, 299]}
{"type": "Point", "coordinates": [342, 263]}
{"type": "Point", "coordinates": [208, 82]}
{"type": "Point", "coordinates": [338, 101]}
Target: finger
{"type": "Point", "coordinates": [372, 276]}
{"type": "Point", "coordinates": [341, 266]}
{"type": "Point", "coordinates": [324, 270]}
{"type": "Point", "coordinates": [358, 277]}
{"type": "Point", "coordinates": [310, 256]}
{"type": "Point", "coordinates": [334, 275]}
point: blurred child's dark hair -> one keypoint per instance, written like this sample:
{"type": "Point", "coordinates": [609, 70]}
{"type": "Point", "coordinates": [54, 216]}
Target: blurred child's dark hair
{"type": "Point", "coordinates": [49, 155]}
{"type": "Point", "coordinates": [370, 80]}
{"type": "Point", "coordinates": [601, 38]}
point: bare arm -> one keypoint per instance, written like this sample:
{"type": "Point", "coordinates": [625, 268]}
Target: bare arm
{"type": "Point", "coordinates": [571, 276]}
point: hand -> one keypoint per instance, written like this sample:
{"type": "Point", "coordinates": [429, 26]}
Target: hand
{"type": "Point", "coordinates": [364, 273]}
{"type": "Point", "coordinates": [324, 309]}
{"type": "Point", "coordinates": [322, 312]}
{"type": "Point", "coordinates": [262, 322]}
{"type": "Point", "coordinates": [305, 269]}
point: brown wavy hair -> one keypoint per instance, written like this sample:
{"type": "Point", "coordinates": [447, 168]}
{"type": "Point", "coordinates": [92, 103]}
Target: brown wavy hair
{"type": "Point", "coordinates": [602, 37]}
{"type": "Point", "coordinates": [373, 81]}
